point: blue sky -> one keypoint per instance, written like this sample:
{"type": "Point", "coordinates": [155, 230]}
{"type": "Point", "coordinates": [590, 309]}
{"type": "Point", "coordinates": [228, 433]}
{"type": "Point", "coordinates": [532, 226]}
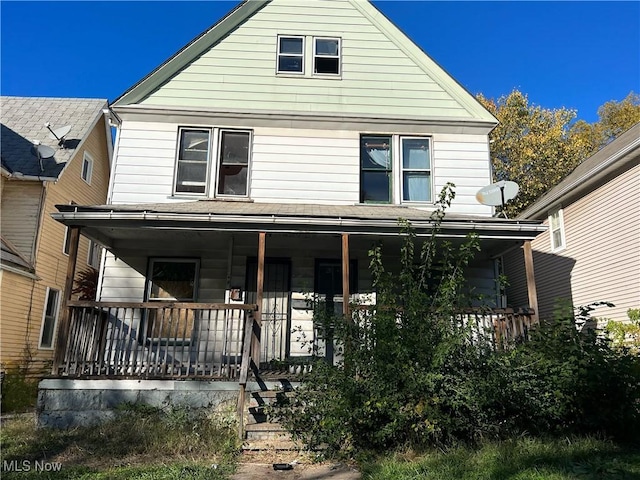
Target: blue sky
{"type": "Point", "coordinates": [573, 54]}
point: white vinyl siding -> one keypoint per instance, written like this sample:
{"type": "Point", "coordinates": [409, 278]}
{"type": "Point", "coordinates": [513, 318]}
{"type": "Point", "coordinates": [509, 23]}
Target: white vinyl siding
{"type": "Point", "coordinates": [376, 75]}
{"type": "Point", "coordinates": [296, 165]}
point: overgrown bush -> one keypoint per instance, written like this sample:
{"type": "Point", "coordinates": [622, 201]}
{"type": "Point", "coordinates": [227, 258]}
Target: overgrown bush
{"type": "Point", "coordinates": [19, 390]}
{"type": "Point", "coordinates": [411, 375]}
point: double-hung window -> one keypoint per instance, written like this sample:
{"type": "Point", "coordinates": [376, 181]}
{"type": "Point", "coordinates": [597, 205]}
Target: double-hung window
{"type": "Point", "coordinates": [326, 56]}
{"type": "Point", "coordinates": [375, 163]}
{"type": "Point", "coordinates": [416, 170]}
{"type": "Point", "coordinates": [49, 317]}
{"type": "Point", "coordinates": [556, 230]}
{"type": "Point", "coordinates": [203, 170]}
{"type": "Point", "coordinates": [290, 55]}
{"type": "Point", "coordinates": [395, 169]}
{"type": "Point", "coordinates": [192, 170]}
{"type": "Point", "coordinates": [233, 169]}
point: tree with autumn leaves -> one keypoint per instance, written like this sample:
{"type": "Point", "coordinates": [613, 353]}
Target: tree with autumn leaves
{"type": "Point", "coordinates": [537, 147]}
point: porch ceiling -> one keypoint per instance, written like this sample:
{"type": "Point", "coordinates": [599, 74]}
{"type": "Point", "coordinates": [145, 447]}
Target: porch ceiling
{"type": "Point", "coordinates": [110, 223]}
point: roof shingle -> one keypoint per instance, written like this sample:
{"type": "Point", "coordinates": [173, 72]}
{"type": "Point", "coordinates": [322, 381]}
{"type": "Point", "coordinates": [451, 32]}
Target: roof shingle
{"type": "Point", "coordinates": [23, 122]}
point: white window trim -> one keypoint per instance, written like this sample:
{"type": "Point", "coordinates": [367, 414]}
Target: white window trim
{"type": "Point", "coordinates": [99, 257]}
{"type": "Point", "coordinates": [339, 56]}
{"type": "Point", "coordinates": [302, 55]}
{"type": "Point", "coordinates": [219, 133]}
{"type": "Point", "coordinates": [401, 170]}
{"type": "Point", "coordinates": [175, 192]}
{"type": "Point", "coordinates": [397, 193]}
{"type": "Point", "coordinates": [55, 320]}
{"type": "Point", "coordinates": [86, 157]}
{"type": "Point", "coordinates": [213, 171]}
{"type": "Point", "coordinates": [149, 280]}
{"type": "Point", "coordinates": [563, 237]}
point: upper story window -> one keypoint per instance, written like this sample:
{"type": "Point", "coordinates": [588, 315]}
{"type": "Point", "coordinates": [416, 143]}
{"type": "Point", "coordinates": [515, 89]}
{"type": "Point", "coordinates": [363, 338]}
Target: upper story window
{"type": "Point", "coordinates": [556, 230]}
{"type": "Point", "coordinates": [193, 161]}
{"type": "Point", "coordinates": [381, 156]}
{"type": "Point", "coordinates": [204, 170]}
{"type": "Point", "coordinates": [234, 163]}
{"type": "Point", "coordinates": [87, 167]}
{"type": "Point", "coordinates": [416, 170]}
{"type": "Point", "coordinates": [326, 56]}
{"type": "Point", "coordinates": [375, 164]}
{"type": "Point", "coordinates": [290, 54]}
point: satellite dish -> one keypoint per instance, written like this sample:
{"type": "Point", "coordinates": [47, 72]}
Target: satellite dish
{"type": "Point", "coordinates": [497, 194]}
{"type": "Point", "coordinates": [41, 151]}
{"type": "Point", "coordinates": [58, 133]}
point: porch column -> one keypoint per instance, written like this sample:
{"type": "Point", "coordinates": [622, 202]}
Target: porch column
{"type": "Point", "coordinates": [63, 324]}
{"type": "Point", "coordinates": [531, 279]}
{"type": "Point", "coordinates": [255, 340]}
{"type": "Point", "coordinates": [345, 273]}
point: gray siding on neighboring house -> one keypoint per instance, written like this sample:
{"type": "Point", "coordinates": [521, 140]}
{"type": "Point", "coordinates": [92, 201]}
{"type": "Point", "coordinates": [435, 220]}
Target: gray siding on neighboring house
{"type": "Point", "coordinates": [601, 261]}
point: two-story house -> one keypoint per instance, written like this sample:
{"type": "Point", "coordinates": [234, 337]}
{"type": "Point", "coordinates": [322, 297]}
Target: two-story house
{"type": "Point", "coordinates": [40, 171]}
{"type": "Point", "coordinates": [256, 167]}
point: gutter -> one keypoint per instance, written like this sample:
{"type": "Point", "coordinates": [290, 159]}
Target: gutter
{"type": "Point", "coordinates": [34, 178]}
{"type": "Point", "coordinates": [71, 217]}
{"type": "Point", "coordinates": [19, 271]}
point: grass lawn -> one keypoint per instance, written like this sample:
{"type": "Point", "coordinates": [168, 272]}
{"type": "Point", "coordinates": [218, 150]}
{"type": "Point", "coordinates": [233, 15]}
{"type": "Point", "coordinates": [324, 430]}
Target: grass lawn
{"type": "Point", "coordinates": [518, 459]}
{"type": "Point", "coordinates": [148, 445]}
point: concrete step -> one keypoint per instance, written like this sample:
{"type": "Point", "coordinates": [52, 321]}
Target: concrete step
{"type": "Point", "coordinates": [274, 445]}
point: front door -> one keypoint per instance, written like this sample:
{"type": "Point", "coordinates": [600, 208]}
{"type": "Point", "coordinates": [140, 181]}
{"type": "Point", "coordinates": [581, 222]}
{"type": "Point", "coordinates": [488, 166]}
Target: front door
{"type": "Point", "coordinates": [276, 302]}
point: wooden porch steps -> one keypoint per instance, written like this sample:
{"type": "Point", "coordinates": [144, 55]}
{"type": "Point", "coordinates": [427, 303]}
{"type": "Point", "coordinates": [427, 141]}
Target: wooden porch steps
{"type": "Point", "coordinates": [262, 434]}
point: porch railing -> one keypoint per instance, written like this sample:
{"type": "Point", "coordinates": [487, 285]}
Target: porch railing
{"type": "Point", "coordinates": [153, 340]}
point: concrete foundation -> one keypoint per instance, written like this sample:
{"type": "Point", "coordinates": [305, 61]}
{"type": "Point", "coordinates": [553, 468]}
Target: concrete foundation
{"type": "Point", "coordinates": [64, 403]}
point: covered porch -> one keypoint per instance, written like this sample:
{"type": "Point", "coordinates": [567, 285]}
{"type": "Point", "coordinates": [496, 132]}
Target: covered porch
{"type": "Point", "coordinates": [245, 276]}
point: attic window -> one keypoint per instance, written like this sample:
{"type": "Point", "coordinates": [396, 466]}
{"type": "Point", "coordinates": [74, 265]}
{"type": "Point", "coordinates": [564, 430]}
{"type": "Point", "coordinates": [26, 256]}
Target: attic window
{"type": "Point", "coordinates": [87, 167]}
{"type": "Point", "coordinates": [326, 56]}
{"type": "Point", "coordinates": [290, 54]}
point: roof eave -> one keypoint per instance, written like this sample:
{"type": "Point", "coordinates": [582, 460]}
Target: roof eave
{"type": "Point", "coordinates": [190, 51]}
{"type": "Point", "coordinates": [621, 152]}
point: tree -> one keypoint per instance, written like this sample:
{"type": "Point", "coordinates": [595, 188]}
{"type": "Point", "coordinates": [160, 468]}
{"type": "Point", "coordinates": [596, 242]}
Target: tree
{"type": "Point", "coordinates": [537, 147]}
{"type": "Point", "coordinates": [532, 146]}
{"type": "Point", "coordinates": [615, 118]}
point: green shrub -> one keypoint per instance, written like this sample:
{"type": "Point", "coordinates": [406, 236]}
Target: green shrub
{"type": "Point", "coordinates": [411, 376]}
{"type": "Point", "coordinates": [19, 391]}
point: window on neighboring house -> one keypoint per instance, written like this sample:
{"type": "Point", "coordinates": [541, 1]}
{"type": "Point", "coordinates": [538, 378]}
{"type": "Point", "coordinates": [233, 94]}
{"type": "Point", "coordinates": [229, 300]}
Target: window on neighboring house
{"type": "Point", "coordinates": [67, 241]}
{"type": "Point", "coordinates": [171, 280]}
{"type": "Point", "coordinates": [193, 161]}
{"type": "Point", "coordinates": [556, 230]}
{"type": "Point", "coordinates": [49, 318]}
{"type": "Point", "coordinates": [416, 170]}
{"type": "Point", "coordinates": [326, 56]}
{"type": "Point", "coordinates": [375, 165]}
{"type": "Point", "coordinates": [95, 255]}
{"type": "Point", "coordinates": [87, 167]}
{"type": "Point", "coordinates": [290, 55]}
{"type": "Point", "coordinates": [233, 170]}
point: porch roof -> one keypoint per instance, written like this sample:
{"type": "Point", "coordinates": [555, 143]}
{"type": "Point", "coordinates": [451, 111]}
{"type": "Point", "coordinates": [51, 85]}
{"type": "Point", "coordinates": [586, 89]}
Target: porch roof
{"type": "Point", "coordinates": [101, 222]}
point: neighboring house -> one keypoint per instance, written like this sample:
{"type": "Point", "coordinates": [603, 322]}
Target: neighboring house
{"type": "Point", "coordinates": [34, 246]}
{"type": "Point", "coordinates": [256, 168]}
{"type": "Point", "coordinates": [591, 250]}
